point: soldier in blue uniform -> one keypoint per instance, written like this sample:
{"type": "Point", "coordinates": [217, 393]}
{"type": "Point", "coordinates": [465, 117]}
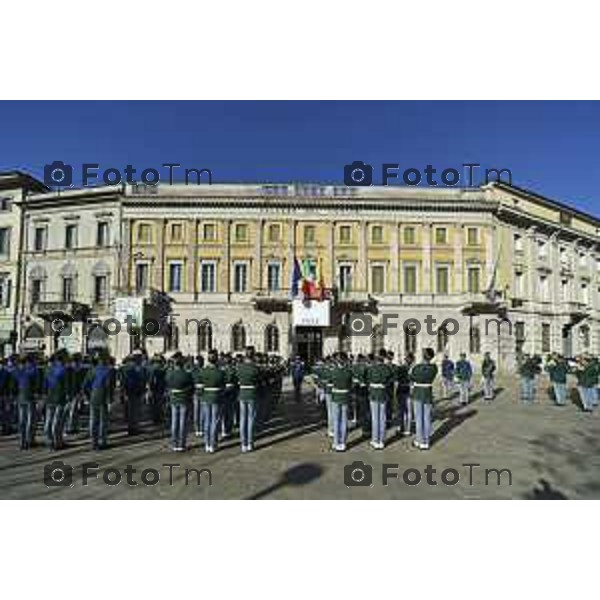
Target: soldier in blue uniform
{"type": "Point", "coordinates": [447, 375]}
{"type": "Point", "coordinates": [25, 377]}
{"type": "Point", "coordinates": [297, 369]}
{"type": "Point", "coordinates": [56, 385]}
{"type": "Point", "coordinates": [133, 381]}
{"type": "Point", "coordinates": [464, 374]}
{"type": "Point", "coordinates": [100, 385]}
{"type": "Point", "coordinates": [157, 386]}
{"type": "Point", "coordinates": [5, 408]}
{"type": "Point", "coordinates": [423, 375]}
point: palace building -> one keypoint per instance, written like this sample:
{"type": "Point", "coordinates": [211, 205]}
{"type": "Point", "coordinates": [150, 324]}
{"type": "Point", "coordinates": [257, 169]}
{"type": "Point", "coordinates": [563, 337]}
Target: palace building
{"type": "Point", "coordinates": [505, 270]}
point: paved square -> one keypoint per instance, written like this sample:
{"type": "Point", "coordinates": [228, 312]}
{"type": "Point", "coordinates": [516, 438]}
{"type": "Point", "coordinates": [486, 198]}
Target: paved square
{"type": "Point", "coordinates": [551, 452]}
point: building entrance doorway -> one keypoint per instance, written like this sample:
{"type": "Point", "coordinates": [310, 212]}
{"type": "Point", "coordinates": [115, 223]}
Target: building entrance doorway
{"type": "Point", "coordinates": [309, 344]}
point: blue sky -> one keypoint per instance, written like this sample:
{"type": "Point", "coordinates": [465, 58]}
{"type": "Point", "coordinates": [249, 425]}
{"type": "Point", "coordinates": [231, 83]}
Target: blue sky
{"type": "Point", "coordinates": [550, 147]}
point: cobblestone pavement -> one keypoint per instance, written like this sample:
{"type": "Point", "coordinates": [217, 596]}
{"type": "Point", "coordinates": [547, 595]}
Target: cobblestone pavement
{"type": "Point", "coordinates": [551, 452]}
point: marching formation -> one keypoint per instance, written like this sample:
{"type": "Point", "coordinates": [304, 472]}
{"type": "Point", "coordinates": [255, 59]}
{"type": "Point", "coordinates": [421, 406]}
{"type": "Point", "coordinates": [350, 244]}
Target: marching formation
{"type": "Point", "coordinates": [215, 396]}
{"type": "Point", "coordinates": [223, 395]}
{"type": "Point", "coordinates": [376, 391]}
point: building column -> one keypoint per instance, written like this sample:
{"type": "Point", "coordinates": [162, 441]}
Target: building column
{"type": "Point", "coordinates": [362, 268]}
{"type": "Point", "coordinates": [394, 258]}
{"type": "Point", "coordinates": [426, 284]}
{"type": "Point", "coordinates": [458, 279]}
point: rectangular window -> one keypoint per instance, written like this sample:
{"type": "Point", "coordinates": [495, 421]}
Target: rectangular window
{"type": "Point", "coordinates": [209, 232]}
{"type": "Point", "coordinates": [102, 234]}
{"type": "Point", "coordinates": [68, 289]}
{"type": "Point", "coordinates": [585, 293]}
{"type": "Point", "coordinates": [345, 278]}
{"type": "Point", "coordinates": [309, 234]}
{"type": "Point", "coordinates": [565, 291]}
{"type": "Point", "coordinates": [241, 232]}
{"type": "Point", "coordinates": [5, 290]}
{"type": "Point", "coordinates": [176, 232]}
{"type": "Point", "coordinates": [378, 279]}
{"type": "Point", "coordinates": [519, 284]}
{"type": "Point", "coordinates": [472, 236]}
{"type": "Point", "coordinates": [100, 289]}
{"type": "Point", "coordinates": [442, 280]}
{"type": "Point", "coordinates": [39, 239]}
{"type": "Point", "coordinates": [175, 277]}
{"type": "Point", "coordinates": [345, 234]}
{"type": "Point", "coordinates": [543, 291]}
{"type": "Point", "coordinates": [142, 272]}
{"type": "Point", "coordinates": [273, 277]}
{"type": "Point", "coordinates": [207, 278]}
{"type": "Point", "coordinates": [542, 249]}
{"type": "Point", "coordinates": [5, 242]}
{"type": "Point", "coordinates": [377, 234]}
{"type": "Point", "coordinates": [274, 233]}
{"type": "Point", "coordinates": [144, 231]}
{"type": "Point", "coordinates": [545, 337]}
{"type": "Point", "coordinates": [410, 279]}
{"type": "Point", "coordinates": [473, 286]}
{"type": "Point", "coordinates": [70, 236]}
{"type": "Point", "coordinates": [409, 236]}
{"type": "Point", "coordinates": [518, 242]}
{"type": "Point", "coordinates": [441, 235]}
{"type": "Point", "coordinates": [240, 278]}
{"type": "Point", "coordinates": [36, 291]}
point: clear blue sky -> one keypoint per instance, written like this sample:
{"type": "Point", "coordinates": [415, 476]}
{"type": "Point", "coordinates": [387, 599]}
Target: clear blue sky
{"type": "Point", "coordinates": [551, 147]}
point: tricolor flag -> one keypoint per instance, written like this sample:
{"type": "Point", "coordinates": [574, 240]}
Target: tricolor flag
{"type": "Point", "coordinates": [296, 277]}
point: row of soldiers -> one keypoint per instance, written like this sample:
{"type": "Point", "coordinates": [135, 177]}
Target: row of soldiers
{"type": "Point", "coordinates": [216, 395]}
{"type": "Point", "coordinates": [585, 368]}
{"type": "Point", "coordinates": [379, 391]}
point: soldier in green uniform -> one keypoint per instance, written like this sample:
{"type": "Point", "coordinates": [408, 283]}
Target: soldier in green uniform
{"type": "Point", "coordinates": [378, 376]}
{"type": "Point", "coordinates": [422, 376]}
{"type": "Point", "coordinates": [328, 386]}
{"type": "Point", "coordinates": [341, 380]}
{"type": "Point", "coordinates": [157, 384]}
{"type": "Point", "coordinates": [197, 377]}
{"type": "Point", "coordinates": [587, 380]}
{"type": "Point", "coordinates": [100, 382]}
{"type": "Point", "coordinates": [248, 375]}
{"type": "Point", "coordinates": [229, 396]}
{"type": "Point", "coordinates": [361, 394]}
{"type": "Point", "coordinates": [180, 388]}
{"type": "Point", "coordinates": [528, 369]}
{"type": "Point", "coordinates": [488, 369]}
{"type": "Point", "coordinates": [558, 369]}
{"type": "Point", "coordinates": [405, 412]}
{"type": "Point", "coordinates": [213, 384]}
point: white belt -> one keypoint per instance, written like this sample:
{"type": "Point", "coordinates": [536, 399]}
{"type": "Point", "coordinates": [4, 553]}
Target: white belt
{"type": "Point", "coordinates": [377, 385]}
{"type": "Point", "coordinates": [198, 386]}
{"type": "Point", "coordinates": [229, 385]}
{"type": "Point", "coordinates": [337, 390]}
{"type": "Point", "coordinates": [212, 389]}
{"type": "Point", "coordinates": [247, 387]}
{"type": "Point", "coordinates": [425, 385]}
